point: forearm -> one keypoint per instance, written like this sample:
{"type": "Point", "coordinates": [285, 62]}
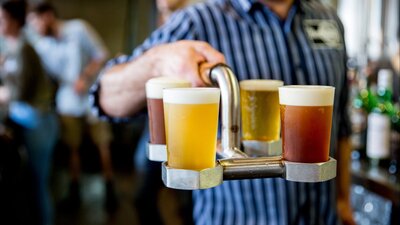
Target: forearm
{"type": "Point", "coordinates": [122, 87]}
{"type": "Point", "coordinates": [92, 69]}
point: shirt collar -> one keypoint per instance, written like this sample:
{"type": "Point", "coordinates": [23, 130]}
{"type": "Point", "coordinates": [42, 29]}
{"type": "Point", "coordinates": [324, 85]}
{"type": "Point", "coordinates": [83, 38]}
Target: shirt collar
{"type": "Point", "coordinates": [246, 5]}
{"type": "Point", "coordinates": [290, 17]}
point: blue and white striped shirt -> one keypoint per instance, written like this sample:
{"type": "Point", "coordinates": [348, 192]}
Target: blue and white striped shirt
{"type": "Point", "coordinates": [306, 48]}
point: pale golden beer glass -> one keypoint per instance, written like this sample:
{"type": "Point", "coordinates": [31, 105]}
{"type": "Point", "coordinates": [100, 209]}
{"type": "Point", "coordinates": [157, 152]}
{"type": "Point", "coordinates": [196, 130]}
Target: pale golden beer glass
{"type": "Point", "coordinates": [191, 126]}
{"type": "Point", "coordinates": [306, 120]}
{"type": "Point", "coordinates": [260, 109]}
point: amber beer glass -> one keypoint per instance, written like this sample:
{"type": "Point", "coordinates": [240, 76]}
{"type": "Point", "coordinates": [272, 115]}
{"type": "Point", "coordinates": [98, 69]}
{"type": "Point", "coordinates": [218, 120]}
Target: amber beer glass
{"type": "Point", "coordinates": [154, 93]}
{"type": "Point", "coordinates": [260, 109]}
{"type": "Point", "coordinates": [191, 124]}
{"type": "Point", "coordinates": [306, 119]}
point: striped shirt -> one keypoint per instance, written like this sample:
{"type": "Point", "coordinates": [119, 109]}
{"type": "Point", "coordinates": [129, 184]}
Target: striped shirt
{"type": "Point", "coordinates": [306, 48]}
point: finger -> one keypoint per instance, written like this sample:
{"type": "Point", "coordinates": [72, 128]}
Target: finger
{"type": "Point", "coordinates": [209, 53]}
{"type": "Point", "coordinates": [195, 75]}
{"type": "Point", "coordinates": [197, 57]}
{"type": "Point", "coordinates": [192, 68]}
{"type": "Point", "coordinates": [204, 72]}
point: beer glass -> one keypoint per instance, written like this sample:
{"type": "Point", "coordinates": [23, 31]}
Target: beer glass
{"type": "Point", "coordinates": [306, 119]}
{"type": "Point", "coordinates": [260, 109]}
{"type": "Point", "coordinates": [154, 93]}
{"type": "Point", "coordinates": [191, 124]}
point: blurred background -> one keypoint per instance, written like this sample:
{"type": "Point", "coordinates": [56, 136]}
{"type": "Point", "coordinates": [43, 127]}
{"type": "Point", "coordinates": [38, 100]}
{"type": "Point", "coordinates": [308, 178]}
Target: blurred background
{"type": "Point", "coordinates": [372, 38]}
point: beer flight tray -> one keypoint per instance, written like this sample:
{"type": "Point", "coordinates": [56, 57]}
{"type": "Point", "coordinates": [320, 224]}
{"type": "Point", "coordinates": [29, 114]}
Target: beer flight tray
{"type": "Point", "coordinates": [247, 168]}
{"type": "Point", "coordinates": [235, 164]}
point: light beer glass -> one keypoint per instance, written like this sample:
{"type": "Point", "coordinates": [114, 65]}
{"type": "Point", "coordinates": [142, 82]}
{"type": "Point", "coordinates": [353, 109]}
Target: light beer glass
{"type": "Point", "coordinates": [306, 119]}
{"type": "Point", "coordinates": [155, 107]}
{"type": "Point", "coordinates": [260, 109]}
{"type": "Point", "coordinates": [191, 124]}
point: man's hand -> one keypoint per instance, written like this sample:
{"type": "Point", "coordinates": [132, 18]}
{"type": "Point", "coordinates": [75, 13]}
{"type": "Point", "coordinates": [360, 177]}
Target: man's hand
{"type": "Point", "coordinates": [183, 59]}
{"type": "Point", "coordinates": [122, 91]}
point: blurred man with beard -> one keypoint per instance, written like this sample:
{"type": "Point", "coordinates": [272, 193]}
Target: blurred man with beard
{"type": "Point", "coordinates": [73, 53]}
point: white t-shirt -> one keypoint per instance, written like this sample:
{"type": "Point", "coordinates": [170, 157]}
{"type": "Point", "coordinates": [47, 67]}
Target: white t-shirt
{"type": "Point", "coordinates": [65, 58]}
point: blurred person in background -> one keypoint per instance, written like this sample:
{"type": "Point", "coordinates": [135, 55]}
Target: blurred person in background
{"type": "Point", "coordinates": [28, 94]}
{"type": "Point", "coordinates": [73, 53]}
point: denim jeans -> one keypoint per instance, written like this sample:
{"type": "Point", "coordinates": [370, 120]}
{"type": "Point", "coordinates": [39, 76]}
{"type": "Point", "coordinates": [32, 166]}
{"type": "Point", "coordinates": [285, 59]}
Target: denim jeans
{"type": "Point", "coordinates": [39, 142]}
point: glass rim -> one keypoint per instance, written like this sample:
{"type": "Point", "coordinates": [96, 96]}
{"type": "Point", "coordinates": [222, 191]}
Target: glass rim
{"type": "Point", "coordinates": [192, 89]}
{"type": "Point", "coordinates": [307, 87]}
{"type": "Point", "coordinates": [155, 86]}
{"type": "Point", "coordinates": [166, 80]}
{"type": "Point", "coordinates": [192, 95]}
{"type": "Point", "coordinates": [307, 95]}
{"type": "Point", "coordinates": [260, 84]}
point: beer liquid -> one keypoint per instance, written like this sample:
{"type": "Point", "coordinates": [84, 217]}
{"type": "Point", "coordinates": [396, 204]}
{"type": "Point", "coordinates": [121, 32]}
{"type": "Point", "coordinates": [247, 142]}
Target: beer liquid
{"type": "Point", "coordinates": [306, 132]}
{"type": "Point", "coordinates": [260, 115]}
{"type": "Point", "coordinates": [156, 121]}
{"type": "Point", "coordinates": [191, 135]}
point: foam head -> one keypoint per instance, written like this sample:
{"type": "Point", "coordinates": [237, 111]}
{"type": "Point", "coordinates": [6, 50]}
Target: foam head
{"type": "Point", "coordinates": [261, 85]}
{"type": "Point", "coordinates": [306, 95]}
{"type": "Point", "coordinates": [192, 95]}
{"type": "Point", "coordinates": [155, 86]}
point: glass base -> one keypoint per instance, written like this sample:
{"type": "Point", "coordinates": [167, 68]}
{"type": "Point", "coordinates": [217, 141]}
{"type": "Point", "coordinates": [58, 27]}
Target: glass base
{"type": "Point", "coordinates": [157, 153]}
{"type": "Point", "coordinates": [310, 172]}
{"type": "Point", "coordinates": [262, 148]}
{"type": "Point", "coordinates": [191, 179]}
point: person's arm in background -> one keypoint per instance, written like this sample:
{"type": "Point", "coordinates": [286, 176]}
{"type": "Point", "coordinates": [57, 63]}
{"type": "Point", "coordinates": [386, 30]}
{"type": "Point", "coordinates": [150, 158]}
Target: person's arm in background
{"type": "Point", "coordinates": [27, 65]}
{"type": "Point", "coordinates": [24, 78]}
{"type": "Point", "coordinates": [4, 95]}
{"type": "Point", "coordinates": [88, 74]}
{"type": "Point", "coordinates": [122, 91]}
{"type": "Point", "coordinates": [4, 91]}
{"type": "Point", "coordinates": [92, 43]}
{"type": "Point", "coordinates": [26, 82]}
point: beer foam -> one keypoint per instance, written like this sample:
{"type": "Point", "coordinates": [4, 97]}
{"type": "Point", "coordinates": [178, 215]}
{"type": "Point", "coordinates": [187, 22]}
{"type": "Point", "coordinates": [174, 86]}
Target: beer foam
{"type": "Point", "coordinates": [192, 95]}
{"type": "Point", "coordinates": [306, 95]}
{"type": "Point", "coordinates": [155, 86]}
{"type": "Point", "coordinates": [260, 85]}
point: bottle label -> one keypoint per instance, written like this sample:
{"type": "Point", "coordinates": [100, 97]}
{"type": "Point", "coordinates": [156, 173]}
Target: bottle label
{"type": "Point", "coordinates": [378, 136]}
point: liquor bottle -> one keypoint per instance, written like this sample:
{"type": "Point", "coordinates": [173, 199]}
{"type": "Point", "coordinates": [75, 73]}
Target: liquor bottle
{"type": "Point", "coordinates": [379, 121]}
{"type": "Point", "coordinates": [363, 103]}
{"type": "Point", "coordinates": [358, 113]}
